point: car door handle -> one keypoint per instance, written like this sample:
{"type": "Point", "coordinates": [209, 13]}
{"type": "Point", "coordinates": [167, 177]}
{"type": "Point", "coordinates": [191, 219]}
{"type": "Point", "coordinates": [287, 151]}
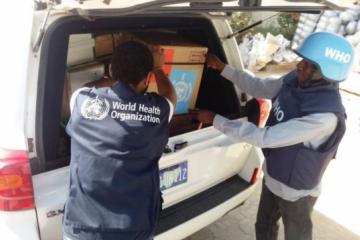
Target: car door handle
{"type": "Point", "coordinates": [54, 213]}
{"type": "Point", "coordinates": [179, 146]}
{"type": "Point", "coordinates": [167, 149]}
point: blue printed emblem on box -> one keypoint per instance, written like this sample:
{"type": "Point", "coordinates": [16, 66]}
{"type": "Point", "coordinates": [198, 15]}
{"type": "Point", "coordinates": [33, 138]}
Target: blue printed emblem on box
{"type": "Point", "coordinates": [183, 82]}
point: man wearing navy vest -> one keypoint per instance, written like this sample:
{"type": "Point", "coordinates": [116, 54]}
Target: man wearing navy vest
{"type": "Point", "coordinates": [301, 136]}
{"type": "Point", "coordinates": [118, 135]}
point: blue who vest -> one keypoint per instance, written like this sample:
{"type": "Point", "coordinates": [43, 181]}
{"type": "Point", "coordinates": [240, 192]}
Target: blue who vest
{"type": "Point", "coordinates": [117, 139]}
{"type": "Point", "coordinates": [297, 166]}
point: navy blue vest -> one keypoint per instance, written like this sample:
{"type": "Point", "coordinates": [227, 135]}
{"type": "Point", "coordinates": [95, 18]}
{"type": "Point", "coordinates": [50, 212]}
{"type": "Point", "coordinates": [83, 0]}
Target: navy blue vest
{"type": "Point", "coordinates": [117, 139]}
{"type": "Point", "coordinates": [297, 166]}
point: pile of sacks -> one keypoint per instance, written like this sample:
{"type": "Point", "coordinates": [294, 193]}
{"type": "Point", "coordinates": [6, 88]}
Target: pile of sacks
{"type": "Point", "coordinates": [345, 23]}
{"type": "Point", "coordinates": [257, 51]}
{"type": "Point", "coordinates": [306, 25]}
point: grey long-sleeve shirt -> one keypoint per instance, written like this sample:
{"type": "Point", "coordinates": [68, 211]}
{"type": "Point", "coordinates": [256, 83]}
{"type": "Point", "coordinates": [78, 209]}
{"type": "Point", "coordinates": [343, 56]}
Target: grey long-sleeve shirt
{"type": "Point", "coordinates": [312, 129]}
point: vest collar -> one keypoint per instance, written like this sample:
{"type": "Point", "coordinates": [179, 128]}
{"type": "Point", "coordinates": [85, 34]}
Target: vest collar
{"type": "Point", "coordinates": [292, 81]}
{"type": "Point", "coordinates": [124, 91]}
{"type": "Point", "coordinates": [315, 83]}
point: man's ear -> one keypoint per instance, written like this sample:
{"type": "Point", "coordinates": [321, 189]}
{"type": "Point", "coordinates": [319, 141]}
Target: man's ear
{"type": "Point", "coordinates": [148, 78]}
{"type": "Point", "coordinates": [317, 75]}
{"type": "Point", "coordinates": [110, 70]}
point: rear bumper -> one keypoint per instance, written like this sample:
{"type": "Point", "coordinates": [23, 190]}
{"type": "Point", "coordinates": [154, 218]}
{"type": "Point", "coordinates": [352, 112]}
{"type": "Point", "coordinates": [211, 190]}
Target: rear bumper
{"type": "Point", "coordinates": [19, 225]}
{"type": "Point", "coordinates": [188, 217]}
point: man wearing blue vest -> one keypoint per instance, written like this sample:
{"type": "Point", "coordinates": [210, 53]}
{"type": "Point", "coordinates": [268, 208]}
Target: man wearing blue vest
{"type": "Point", "coordinates": [118, 135]}
{"type": "Point", "coordinates": [301, 136]}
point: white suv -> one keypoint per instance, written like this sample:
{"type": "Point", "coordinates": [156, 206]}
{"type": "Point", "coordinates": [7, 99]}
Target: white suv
{"type": "Point", "coordinates": [203, 173]}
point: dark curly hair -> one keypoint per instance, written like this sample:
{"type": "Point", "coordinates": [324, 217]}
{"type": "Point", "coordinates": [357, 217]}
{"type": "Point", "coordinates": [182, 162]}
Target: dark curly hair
{"type": "Point", "coordinates": [131, 62]}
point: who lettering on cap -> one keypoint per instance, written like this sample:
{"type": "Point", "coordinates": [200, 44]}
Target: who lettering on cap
{"type": "Point", "coordinates": [332, 53]}
{"type": "Point", "coordinates": [337, 55]}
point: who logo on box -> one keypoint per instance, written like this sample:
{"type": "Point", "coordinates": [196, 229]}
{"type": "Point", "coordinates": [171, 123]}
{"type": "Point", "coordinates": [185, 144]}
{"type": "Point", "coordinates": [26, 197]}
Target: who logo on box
{"type": "Point", "coordinates": [183, 82]}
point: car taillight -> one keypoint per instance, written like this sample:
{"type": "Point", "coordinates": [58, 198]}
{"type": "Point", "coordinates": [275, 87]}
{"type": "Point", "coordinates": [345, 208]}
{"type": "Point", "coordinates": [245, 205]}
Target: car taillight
{"type": "Point", "coordinates": [16, 190]}
{"type": "Point", "coordinates": [254, 176]}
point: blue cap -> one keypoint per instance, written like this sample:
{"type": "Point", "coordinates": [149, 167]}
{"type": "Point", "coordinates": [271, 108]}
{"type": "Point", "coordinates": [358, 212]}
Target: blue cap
{"type": "Point", "coordinates": [331, 53]}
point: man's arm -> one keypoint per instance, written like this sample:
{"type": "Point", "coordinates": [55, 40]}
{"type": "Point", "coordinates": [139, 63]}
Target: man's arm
{"type": "Point", "coordinates": [73, 97]}
{"type": "Point", "coordinates": [165, 88]}
{"type": "Point", "coordinates": [256, 87]}
{"type": "Point", "coordinates": [312, 130]}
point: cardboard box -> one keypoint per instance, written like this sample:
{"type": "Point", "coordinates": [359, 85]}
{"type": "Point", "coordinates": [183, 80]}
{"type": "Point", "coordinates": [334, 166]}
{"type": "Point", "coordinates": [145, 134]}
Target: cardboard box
{"type": "Point", "coordinates": [184, 64]}
{"type": "Point", "coordinates": [104, 45]}
{"type": "Point", "coordinates": [80, 49]}
{"type": "Point", "coordinates": [186, 81]}
{"type": "Point", "coordinates": [177, 49]}
{"type": "Point", "coordinates": [121, 37]}
{"type": "Point", "coordinates": [184, 67]}
{"type": "Point", "coordinates": [184, 54]}
{"type": "Point", "coordinates": [184, 61]}
{"type": "Point", "coordinates": [81, 75]}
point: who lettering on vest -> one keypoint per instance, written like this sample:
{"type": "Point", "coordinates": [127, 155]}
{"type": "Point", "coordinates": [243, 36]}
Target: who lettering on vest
{"type": "Point", "coordinates": [296, 165]}
{"type": "Point", "coordinates": [279, 114]}
{"type": "Point", "coordinates": [117, 139]}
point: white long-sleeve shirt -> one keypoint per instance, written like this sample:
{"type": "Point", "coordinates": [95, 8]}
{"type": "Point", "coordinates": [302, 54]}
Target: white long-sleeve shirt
{"type": "Point", "coordinates": [312, 129]}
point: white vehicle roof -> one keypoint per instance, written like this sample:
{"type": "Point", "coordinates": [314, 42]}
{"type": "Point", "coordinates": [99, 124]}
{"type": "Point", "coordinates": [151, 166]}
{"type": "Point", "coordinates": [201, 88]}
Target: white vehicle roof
{"type": "Point", "coordinates": [140, 5]}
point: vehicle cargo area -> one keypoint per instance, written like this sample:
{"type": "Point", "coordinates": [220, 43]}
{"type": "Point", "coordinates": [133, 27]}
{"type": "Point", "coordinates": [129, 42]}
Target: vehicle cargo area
{"type": "Point", "coordinates": [199, 161]}
{"type": "Point", "coordinates": [79, 54]}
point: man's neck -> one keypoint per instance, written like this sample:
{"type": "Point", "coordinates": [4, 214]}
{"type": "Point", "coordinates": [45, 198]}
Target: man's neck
{"type": "Point", "coordinates": [137, 89]}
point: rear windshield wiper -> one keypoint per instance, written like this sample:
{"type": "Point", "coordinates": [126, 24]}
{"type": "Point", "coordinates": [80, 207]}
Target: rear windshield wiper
{"type": "Point", "coordinates": [249, 27]}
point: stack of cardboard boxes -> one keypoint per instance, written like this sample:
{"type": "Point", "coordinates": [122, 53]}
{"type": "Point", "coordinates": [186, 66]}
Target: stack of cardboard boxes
{"type": "Point", "coordinates": [184, 61]}
{"type": "Point", "coordinates": [80, 49]}
{"type": "Point", "coordinates": [184, 64]}
{"type": "Point", "coordinates": [105, 43]}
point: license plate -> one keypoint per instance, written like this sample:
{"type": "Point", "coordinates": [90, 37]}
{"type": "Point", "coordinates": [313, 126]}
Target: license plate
{"type": "Point", "coordinates": [173, 176]}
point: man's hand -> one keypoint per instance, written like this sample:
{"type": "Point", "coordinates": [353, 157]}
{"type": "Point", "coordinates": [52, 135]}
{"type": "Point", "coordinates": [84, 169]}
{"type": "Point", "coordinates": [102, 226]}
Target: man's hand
{"type": "Point", "coordinates": [164, 85]}
{"type": "Point", "coordinates": [214, 62]}
{"type": "Point", "coordinates": [204, 116]}
{"type": "Point", "coordinates": [159, 57]}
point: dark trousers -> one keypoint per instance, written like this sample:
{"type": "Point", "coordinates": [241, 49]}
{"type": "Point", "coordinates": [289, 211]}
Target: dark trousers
{"type": "Point", "coordinates": [296, 217]}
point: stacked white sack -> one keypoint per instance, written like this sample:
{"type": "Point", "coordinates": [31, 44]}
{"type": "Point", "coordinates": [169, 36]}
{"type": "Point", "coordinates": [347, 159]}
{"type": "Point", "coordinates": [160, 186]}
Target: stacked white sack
{"type": "Point", "coordinates": [345, 23]}
{"type": "Point", "coordinates": [351, 21]}
{"type": "Point", "coordinates": [306, 25]}
{"type": "Point", "coordinates": [257, 51]}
